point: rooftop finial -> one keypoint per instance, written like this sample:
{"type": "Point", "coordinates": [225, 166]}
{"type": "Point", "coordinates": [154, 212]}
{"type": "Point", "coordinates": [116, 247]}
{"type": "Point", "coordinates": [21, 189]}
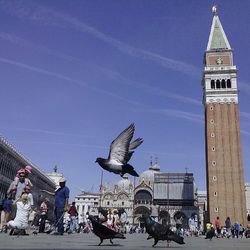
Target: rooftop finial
{"type": "Point", "coordinates": [151, 161]}
{"type": "Point", "coordinates": [156, 160]}
{"type": "Point", "coordinates": [214, 10]}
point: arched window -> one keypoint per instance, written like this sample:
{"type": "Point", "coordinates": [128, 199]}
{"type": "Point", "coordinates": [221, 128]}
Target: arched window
{"type": "Point", "coordinates": [142, 210]}
{"type": "Point", "coordinates": [229, 84]}
{"type": "Point", "coordinates": [223, 84]}
{"type": "Point", "coordinates": [164, 216]}
{"type": "Point", "coordinates": [218, 84]}
{"type": "Point", "coordinates": [143, 195]}
{"type": "Point", "coordinates": [212, 84]}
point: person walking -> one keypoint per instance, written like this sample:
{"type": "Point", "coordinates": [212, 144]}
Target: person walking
{"type": "Point", "coordinates": [80, 222]}
{"type": "Point", "coordinates": [43, 215]}
{"type": "Point", "coordinates": [5, 213]}
{"type": "Point", "coordinates": [61, 204]}
{"type": "Point", "coordinates": [109, 221]}
{"type": "Point", "coordinates": [236, 229]}
{"type": "Point", "coordinates": [192, 226]}
{"type": "Point", "coordinates": [228, 227]}
{"type": "Point", "coordinates": [87, 225]}
{"type": "Point", "coordinates": [217, 224]}
{"type": "Point", "coordinates": [178, 225]}
{"type": "Point", "coordinates": [241, 231]}
{"type": "Point", "coordinates": [73, 218]}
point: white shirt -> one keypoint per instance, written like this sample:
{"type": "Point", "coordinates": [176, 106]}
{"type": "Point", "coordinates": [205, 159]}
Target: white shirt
{"type": "Point", "coordinates": [22, 213]}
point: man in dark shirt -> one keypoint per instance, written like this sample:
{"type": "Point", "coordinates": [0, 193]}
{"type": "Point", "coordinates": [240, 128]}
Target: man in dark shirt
{"type": "Point", "coordinates": [61, 204]}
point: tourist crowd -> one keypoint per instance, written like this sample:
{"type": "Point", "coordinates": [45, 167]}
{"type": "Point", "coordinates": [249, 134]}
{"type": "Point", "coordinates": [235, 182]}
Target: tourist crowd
{"type": "Point", "coordinates": [19, 213]}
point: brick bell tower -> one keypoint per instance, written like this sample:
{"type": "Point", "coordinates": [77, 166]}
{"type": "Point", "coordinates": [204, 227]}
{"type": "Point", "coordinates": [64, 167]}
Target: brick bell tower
{"type": "Point", "coordinates": [224, 167]}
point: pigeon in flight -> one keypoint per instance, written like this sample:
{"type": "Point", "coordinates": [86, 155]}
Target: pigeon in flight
{"type": "Point", "coordinates": [121, 151]}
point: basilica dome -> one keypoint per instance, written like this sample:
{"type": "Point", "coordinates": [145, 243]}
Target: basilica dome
{"type": "Point", "coordinates": [148, 175]}
{"type": "Point", "coordinates": [124, 183]}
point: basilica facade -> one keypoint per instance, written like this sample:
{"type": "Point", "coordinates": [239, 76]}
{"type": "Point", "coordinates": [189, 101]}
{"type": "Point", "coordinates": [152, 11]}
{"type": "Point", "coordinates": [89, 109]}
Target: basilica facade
{"type": "Point", "coordinates": [119, 197]}
{"type": "Point", "coordinates": [165, 196]}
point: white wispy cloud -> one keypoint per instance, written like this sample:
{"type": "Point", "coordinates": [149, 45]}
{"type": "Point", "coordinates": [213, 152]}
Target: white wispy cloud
{"type": "Point", "coordinates": [12, 38]}
{"type": "Point", "coordinates": [68, 79]}
{"type": "Point", "coordinates": [245, 114]}
{"type": "Point", "coordinates": [38, 13]}
{"type": "Point", "coordinates": [244, 86]}
{"type": "Point", "coordinates": [149, 89]}
{"type": "Point", "coordinates": [29, 10]}
{"type": "Point", "coordinates": [123, 47]}
{"type": "Point", "coordinates": [180, 114]}
{"type": "Point", "coordinates": [63, 144]}
{"type": "Point", "coordinates": [130, 50]}
{"type": "Point", "coordinates": [114, 75]}
{"type": "Point", "coordinates": [82, 145]}
{"type": "Point", "coordinates": [171, 112]}
{"type": "Point", "coordinates": [245, 132]}
{"type": "Point", "coordinates": [50, 132]}
{"type": "Point", "coordinates": [39, 70]}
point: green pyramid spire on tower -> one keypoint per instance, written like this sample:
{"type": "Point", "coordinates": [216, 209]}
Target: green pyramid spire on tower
{"type": "Point", "coordinates": [217, 37]}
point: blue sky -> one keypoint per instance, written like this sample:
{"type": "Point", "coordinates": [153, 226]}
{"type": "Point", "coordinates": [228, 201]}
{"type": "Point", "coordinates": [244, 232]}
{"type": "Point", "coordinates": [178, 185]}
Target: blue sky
{"type": "Point", "coordinates": [74, 74]}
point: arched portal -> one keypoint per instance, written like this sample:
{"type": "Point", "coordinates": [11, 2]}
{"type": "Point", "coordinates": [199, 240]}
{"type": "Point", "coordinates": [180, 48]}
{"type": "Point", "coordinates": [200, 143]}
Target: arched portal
{"type": "Point", "coordinates": [164, 217]}
{"type": "Point", "coordinates": [180, 215]}
{"type": "Point", "coordinates": [141, 210]}
{"type": "Point", "coordinates": [138, 212]}
{"type": "Point", "coordinates": [143, 197]}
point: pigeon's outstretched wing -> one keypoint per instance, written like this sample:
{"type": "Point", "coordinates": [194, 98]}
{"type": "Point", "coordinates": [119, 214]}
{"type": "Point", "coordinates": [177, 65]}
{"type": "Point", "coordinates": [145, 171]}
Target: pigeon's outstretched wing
{"type": "Point", "coordinates": [119, 148]}
{"type": "Point", "coordinates": [134, 145]}
{"type": "Point", "coordinates": [137, 142]}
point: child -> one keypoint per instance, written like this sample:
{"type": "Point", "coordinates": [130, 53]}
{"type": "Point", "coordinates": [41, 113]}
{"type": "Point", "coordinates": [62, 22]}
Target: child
{"type": "Point", "coordinates": [26, 171]}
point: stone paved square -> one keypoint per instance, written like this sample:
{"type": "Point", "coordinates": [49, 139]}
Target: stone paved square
{"type": "Point", "coordinates": [132, 241]}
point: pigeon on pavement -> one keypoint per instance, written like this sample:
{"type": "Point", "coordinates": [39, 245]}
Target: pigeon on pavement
{"type": "Point", "coordinates": [121, 151]}
{"type": "Point", "coordinates": [158, 231]}
{"type": "Point", "coordinates": [104, 232]}
{"type": "Point", "coordinates": [210, 234]}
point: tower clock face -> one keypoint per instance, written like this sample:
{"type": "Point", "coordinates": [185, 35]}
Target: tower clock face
{"type": "Point", "coordinates": [213, 60]}
{"type": "Point", "coordinates": [219, 61]}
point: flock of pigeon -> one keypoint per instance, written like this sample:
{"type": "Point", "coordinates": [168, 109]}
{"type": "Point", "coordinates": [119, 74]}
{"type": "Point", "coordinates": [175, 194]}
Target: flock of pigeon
{"type": "Point", "coordinates": [154, 229]}
{"type": "Point", "coordinates": [121, 151]}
